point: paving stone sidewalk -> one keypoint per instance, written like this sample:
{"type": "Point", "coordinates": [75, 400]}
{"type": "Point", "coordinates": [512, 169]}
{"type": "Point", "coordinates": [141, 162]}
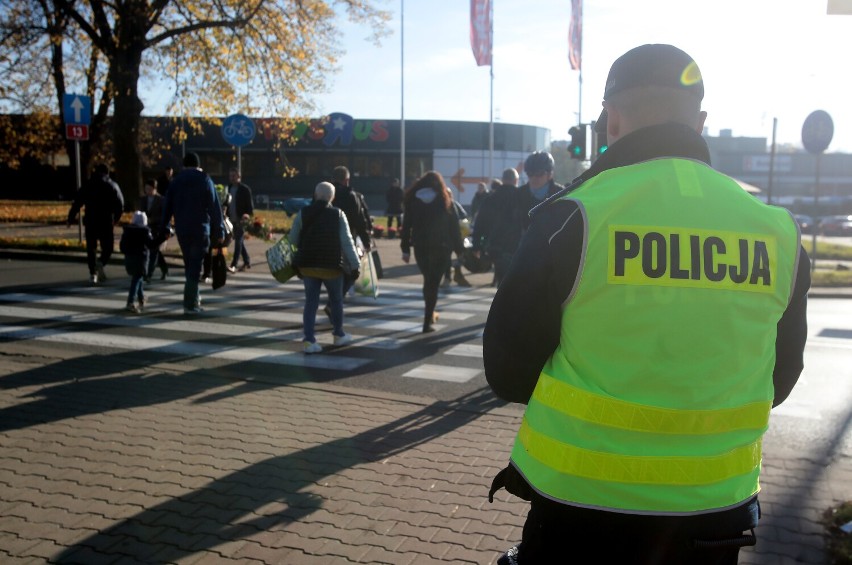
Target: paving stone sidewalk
{"type": "Point", "coordinates": [102, 462]}
{"type": "Point", "coordinates": [105, 462]}
{"type": "Point", "coordinates": [109, 459]}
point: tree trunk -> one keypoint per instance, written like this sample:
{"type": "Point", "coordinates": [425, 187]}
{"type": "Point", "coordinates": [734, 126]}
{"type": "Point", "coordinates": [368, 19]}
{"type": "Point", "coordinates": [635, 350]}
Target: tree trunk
{"type": "Point", "coordinates": [124, 74]}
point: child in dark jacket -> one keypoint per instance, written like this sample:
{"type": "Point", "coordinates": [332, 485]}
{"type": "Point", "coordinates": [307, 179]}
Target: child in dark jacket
{"type": "Point", "coordinates": [136, 242]}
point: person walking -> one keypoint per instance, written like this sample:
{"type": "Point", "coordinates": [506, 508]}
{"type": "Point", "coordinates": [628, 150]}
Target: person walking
{"type": "Point", "coordinates": [500, 224]}
{"type": "Point", "coordinates": [393, 197]}
{"type": "Point", "coordinates": [102, 199]}
{"type": "Point", "coordinates": [164, 180]}
{"type": "Point", "coordinates": [325, 252]}
{"type": "Point", "coordinates": [240, 212]}
{"type": "Point", "coordinates": [152, 205]}
{"type": "Point", "coordinates": [479, 197]}
{"type": "Point", "coordinates": [354, 205]}
{"type": "Point", "coordinates": [194, 204]}
{"type": "Point", "coordinates": [136, 244]}
{"type": "Point", "coordinates": [431, 226]}
{"type": "Point", "coordinates": [454, 272]}
{"type": "Point", "coordinates": [540, 185]}
{"type": "Point", "coordinates": [652, 316]}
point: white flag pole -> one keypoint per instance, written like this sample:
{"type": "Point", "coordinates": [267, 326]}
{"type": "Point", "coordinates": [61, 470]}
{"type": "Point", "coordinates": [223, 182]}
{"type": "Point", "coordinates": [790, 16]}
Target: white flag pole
{"type": "Point", "coordinates": [491, 117]}
{"type": "Point", "coordinates": [402, 93]}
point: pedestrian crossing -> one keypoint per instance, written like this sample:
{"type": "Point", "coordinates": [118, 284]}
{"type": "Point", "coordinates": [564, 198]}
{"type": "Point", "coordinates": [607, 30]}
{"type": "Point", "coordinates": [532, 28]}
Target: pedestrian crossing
{"type": "Point", "coordinates": [255, 318]}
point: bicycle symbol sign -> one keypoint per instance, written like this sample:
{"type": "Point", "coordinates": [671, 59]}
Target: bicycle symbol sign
{"type": "Point", "coordinates": [238, 130]}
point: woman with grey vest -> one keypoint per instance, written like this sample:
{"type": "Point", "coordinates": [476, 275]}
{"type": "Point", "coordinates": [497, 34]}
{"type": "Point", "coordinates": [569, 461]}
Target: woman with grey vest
{"type": "Point", "coordinates": [325, 251]}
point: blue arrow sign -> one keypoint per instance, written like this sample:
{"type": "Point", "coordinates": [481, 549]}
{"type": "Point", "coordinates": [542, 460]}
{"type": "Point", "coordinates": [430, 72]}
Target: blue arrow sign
{"type": "Point", "coordinates": [77, 109]}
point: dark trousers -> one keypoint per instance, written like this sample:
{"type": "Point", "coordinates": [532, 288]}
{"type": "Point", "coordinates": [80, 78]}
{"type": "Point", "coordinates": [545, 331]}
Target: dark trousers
{"type": "Point", "coordinates": [554, 533]}
{"type": "Point", "coordinates": [240, 247]}
{"type": "Point", "coordinates": [398, 221]}
{"type": "Point", "coordinates": [433, 263]}
{"type": "Point", "coordinates": [156, 259]}
{"type": "Point", "coordinates": [501, 265]}
{"type": "Point", "coordinates": [104, 236]}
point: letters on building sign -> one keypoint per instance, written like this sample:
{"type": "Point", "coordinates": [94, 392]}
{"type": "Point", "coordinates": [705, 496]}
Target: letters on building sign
{"type": "Point", "coordinates": [642, 255]}
{"type": "Point", "coordinates": [342, 129]}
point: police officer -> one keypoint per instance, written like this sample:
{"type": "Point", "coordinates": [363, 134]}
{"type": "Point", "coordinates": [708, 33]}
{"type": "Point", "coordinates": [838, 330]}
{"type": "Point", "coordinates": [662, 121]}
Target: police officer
{"type": "Point", "coordinates": [651, 319]}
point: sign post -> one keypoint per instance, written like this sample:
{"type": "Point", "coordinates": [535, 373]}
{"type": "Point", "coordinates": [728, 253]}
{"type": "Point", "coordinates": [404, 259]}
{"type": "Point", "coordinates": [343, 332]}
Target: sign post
{"type": "Point", "coordinates": [78, 113]}
{"type": "Point", "coordinates": [817, 132]}
{"type": "Point", "coordinates": [238, 130]}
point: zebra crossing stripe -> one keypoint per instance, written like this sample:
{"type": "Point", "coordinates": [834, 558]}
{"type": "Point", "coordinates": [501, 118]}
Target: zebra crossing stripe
{"type": "Point", "coordinates": [262, 304]}
{"type": "Point", "coordinates": [442, 373]}
{"type": "Point", "coordinates": [184, 348]}
{"type": "Point", "coordinates": [466, 350]}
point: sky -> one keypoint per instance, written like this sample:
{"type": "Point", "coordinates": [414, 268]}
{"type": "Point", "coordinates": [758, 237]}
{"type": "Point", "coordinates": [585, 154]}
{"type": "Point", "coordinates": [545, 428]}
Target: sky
{"type": "Point", "coordinates": [760, 59]}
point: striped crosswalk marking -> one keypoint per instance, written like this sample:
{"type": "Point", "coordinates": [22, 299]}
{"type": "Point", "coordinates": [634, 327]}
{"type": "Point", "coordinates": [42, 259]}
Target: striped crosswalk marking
{"type": "Point", "coordinates": [442, 373]}
{"type": "Point", "coordinates": [252, 306]}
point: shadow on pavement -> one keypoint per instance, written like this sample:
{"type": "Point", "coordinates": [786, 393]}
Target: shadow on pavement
{"type": "Point", "coordinates": [227, 509]}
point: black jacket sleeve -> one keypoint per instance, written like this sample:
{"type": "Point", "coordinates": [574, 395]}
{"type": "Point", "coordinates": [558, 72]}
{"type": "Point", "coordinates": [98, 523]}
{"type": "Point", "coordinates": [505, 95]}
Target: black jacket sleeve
{"type": "Point", "coordinates": [524, 323]}
{"type": "Point", "coordinates": [792, 334]}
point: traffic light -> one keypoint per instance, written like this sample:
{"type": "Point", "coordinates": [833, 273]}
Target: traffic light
{"type": "Point", "coordinates": [578, 148]}
{"type": "Point", "coordinates": [601, 145]}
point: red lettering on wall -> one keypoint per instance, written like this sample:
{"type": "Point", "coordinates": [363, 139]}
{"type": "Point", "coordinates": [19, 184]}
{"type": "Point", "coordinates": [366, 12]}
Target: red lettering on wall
{"type": "Point", "coordinates": [380, 133]}
{"type": "Point", "coordinates": [317, 131]}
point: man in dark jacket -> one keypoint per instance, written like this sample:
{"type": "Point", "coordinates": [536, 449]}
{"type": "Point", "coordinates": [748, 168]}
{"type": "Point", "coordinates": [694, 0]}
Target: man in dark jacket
{"type": "Point", "coordinates": [193, 202]}
{"type": "Point", "coordinates": [653, 121]}
{"type": "Point", "coordinates": [104, 203]}
{"type": "Point", "coordinates": [500, 224]}
{"type": "Point", "coordinates": [540, 184]}
{"type": "Point", "coordinates": [240, 211]}
{"type": "Point", "coordinates": [357, 213]}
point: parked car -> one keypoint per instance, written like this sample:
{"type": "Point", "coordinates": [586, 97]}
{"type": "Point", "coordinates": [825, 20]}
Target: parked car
{"type": "Point", "coordinates": [836, 225]}
{"type": "Point", "coordinates": [806, 223]}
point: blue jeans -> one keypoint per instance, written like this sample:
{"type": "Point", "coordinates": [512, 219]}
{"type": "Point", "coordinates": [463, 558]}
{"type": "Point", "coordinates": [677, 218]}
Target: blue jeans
{"type": "Point", "coordinates": [193, 248]}
{"type": "Point", "coordinates": [135, 294]}
{"type": "Point", "coordinates": [334, 287]}
{"type": "Point", "coordinates": [240, 246]}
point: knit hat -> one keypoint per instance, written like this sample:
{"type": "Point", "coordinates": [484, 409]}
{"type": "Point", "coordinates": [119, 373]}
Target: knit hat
{"type": "Point", "coordinates": [140, 219]}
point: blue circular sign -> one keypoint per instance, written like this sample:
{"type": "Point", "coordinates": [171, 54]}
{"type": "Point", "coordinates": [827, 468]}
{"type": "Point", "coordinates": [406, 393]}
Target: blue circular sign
{"type": "Point", "coordinates": [238, 130]}
{"type": "Point", "coordinates": [817, 131]}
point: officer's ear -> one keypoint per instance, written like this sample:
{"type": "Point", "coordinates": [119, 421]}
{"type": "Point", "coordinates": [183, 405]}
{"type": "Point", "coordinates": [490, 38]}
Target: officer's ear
{"type": "Point", "coordinates": [614, 123]}
{"type": "Point", "coordinates": [702, 117]}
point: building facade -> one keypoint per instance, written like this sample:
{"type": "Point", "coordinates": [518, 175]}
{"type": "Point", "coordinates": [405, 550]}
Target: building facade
{"type": "Point", "coordinates": [370, 149]}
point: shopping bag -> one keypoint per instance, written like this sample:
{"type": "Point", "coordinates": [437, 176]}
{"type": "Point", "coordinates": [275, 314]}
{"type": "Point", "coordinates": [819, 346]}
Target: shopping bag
{"type": "Point", "coordinates": [377, 261]}
{"type": "Point", "coordinates": [219, 269]}
{"type": "Point", "coordinates": [279, 257]}
{"type": "Point", "coordinates": [368, 283]}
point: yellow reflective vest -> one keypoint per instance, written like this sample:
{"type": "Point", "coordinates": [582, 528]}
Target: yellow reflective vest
{"type": "Point", "coordinates": [656, 400]}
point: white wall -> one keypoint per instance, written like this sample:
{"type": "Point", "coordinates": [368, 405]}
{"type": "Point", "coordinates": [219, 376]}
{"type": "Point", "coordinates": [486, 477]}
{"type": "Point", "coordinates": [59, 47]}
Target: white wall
{"type": "Point", "coordinates": [463, 169]}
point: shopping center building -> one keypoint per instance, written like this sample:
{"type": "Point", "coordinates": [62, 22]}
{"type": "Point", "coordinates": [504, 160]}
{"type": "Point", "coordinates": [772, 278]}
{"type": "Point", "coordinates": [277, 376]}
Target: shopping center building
{"type": "Point", "coordinates": [370, 149]}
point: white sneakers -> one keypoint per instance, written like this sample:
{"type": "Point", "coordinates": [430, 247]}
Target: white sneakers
{"type": "Point", "coordinates": [313, 347]}
{"type": "Point", "coordinates": [342, 339]}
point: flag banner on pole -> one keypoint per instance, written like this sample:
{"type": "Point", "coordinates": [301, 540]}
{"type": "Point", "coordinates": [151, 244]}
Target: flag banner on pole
{"type": "Point", "coordinates": [480, 31]}
{"type": "Point", "coordinates": [575, 35]}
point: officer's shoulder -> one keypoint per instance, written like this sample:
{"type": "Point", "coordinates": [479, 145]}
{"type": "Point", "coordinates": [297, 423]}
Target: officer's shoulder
{"type": "Point", "coordinates": [557, 211]}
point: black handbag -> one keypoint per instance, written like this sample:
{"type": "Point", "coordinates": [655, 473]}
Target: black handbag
{"type": "Point", "coordinates": [219, 269]}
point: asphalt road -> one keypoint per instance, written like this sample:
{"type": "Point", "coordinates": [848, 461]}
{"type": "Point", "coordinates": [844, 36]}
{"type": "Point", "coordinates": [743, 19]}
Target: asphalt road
{"type": "Point", "coordinates": [255, 314]}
